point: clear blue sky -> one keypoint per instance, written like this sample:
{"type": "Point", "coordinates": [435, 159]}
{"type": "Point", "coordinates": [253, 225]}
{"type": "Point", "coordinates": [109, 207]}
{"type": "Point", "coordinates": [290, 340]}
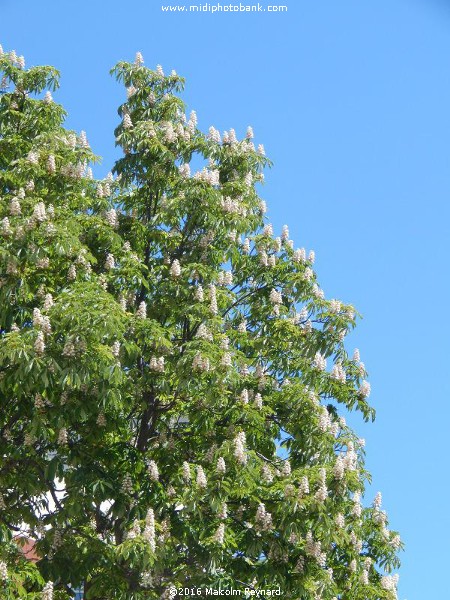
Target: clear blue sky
{"type": "Point", "coordinates": [352, 101]}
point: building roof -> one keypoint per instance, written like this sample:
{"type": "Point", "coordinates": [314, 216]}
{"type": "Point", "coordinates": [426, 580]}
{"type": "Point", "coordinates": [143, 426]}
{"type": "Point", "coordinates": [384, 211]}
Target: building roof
{"type": "Point", "coordinates": [28, 547]}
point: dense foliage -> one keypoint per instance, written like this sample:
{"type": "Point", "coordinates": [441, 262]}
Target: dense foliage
{"type": "Point", "coordinates": [172, 379]}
